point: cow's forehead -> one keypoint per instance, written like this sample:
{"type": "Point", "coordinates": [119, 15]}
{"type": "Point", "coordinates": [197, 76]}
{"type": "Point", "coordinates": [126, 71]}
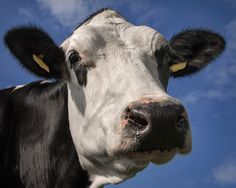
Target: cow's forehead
{"type": "Point", "coordinates": [109, 26]}
{"type": "Point", "coordinates": [104, 16]}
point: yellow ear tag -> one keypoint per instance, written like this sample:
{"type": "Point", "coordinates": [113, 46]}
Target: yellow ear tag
{"type": "Point", "coordinates": [178, 66]}
{"type": "Point", "coordinates": [39, 61]}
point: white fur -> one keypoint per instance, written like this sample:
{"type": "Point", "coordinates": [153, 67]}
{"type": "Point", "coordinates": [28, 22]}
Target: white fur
{"type": "Point", "coordinates": [122, 69]}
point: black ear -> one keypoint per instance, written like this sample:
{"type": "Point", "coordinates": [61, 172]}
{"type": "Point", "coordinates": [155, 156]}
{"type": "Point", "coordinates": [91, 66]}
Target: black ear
{"type": "Point", "coordinates": [193, 49]}
{"type": "Point", "coordinates": [36, 51]}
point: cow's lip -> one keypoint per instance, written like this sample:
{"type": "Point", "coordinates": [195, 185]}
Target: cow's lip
{"type": "Point", "coordinates": [157, 156]}
{"type": "Point", "coordinates": [181, 147]}
{"type": "Point", "coordinates": [149, 150]}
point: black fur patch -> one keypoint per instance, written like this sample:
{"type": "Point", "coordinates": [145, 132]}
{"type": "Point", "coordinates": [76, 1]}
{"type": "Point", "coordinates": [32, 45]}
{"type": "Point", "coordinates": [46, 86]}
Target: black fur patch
{"type": "Point", "coordinates": [24, 41]}
{"type": "Point", "coordinates": [36, 148]}
{"type": "Point", "coordinates": [81, 74]}
{"type": "Point", "coordinates": [197, 47]}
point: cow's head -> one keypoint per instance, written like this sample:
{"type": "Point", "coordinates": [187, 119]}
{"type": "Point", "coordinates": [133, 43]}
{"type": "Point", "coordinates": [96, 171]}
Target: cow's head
{"type": "Point", "coordinates": [121, 117]}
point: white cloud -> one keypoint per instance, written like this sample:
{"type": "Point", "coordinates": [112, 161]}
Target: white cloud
{"type": "Point", "coordinates": [226, 172]}
{"type": "Point", "coordinates": [25, 12]}
{"type": "Point", "coordinates": [219, 94]}
{"type": "Point", "coordinates": [216, 94]}
{"type": "Point", "coordinates": [231, 32]}
{"type": "Point", "coordinates": [192, 97]}
{"type": "Point", "coordinates": [147, 13]}
{"type": "Point", "coordinates": [71, 12]}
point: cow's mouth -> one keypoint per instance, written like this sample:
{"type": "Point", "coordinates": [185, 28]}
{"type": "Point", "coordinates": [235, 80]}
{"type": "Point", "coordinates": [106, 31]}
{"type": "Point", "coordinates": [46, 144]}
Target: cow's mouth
{"type": "Point", "coordinates": [162, 154]}
{"type": "Point", "coordinates": [157, 156]}
{"type": "Point", "coordinates": [141, 156]}
{"type": "Point", "coordinates": [159, 149]}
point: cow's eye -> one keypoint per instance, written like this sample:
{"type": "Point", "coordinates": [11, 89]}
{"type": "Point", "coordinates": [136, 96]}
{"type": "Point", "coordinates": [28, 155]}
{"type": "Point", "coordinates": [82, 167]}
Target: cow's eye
{"type": "Point", "coordinates": [74, 57]}
{"type": "Point", "coordinates": [79, 67]}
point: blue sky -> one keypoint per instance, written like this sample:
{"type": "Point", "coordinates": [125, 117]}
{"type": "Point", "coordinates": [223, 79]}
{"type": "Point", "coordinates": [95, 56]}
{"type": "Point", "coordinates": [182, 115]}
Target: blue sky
{"type": "Point", "coordinates": [210, 96]}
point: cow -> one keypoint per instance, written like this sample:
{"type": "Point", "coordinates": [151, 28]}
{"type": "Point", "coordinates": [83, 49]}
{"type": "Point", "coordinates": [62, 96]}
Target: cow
{"type": "Point", "coordinates": [102, 114]}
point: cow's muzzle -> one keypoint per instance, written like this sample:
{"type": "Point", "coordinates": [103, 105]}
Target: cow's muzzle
{"type": "Point", "coordinates": [156, 125]}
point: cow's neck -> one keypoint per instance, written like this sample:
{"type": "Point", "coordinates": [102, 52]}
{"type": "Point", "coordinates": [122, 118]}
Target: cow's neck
{"type": "Point", "coordinates": [76, 108]}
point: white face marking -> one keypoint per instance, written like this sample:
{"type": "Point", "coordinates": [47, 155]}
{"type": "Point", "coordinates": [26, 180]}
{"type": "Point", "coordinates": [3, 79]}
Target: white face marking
{"type": "Point", "coordinates": [122, 68]}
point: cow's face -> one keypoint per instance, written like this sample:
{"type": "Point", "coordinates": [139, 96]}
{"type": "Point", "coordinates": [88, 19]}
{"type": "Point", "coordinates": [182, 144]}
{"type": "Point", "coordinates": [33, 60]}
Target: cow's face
{"type": "Point", "coordinates": [121, 117]}
{"type": "Point", "coordinates": [120, 113]}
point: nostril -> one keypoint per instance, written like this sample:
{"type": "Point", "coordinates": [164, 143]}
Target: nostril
{"type": "Point", "coordinates": [138, 119]}
{"type": "Point", "coordinates": [135, 118]}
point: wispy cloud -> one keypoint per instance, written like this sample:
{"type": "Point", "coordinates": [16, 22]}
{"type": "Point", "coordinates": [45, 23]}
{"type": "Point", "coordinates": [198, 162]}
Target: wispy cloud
{"type": "Point", "coordinates": [72, 12]}
{"type": "Point", "coordinates": [145, 12]}
{"type": "Point", "coordinates": [226, 172]}
{"type": "Point", "coordinates": [25, 12]}
{"type": "Point", "coordinates": [221, 93]}
{"type": "Point", "coordinates": [201, 95]}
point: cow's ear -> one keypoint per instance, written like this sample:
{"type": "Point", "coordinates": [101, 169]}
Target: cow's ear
{"type": "Point", "coordinates": [191, 50]}
{"type": "Point", "coordinates": [36, 51]}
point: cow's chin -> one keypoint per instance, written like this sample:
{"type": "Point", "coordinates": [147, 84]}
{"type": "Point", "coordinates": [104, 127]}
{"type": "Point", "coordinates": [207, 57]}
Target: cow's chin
{"type": "Point", "coordinates": [132, 162]}
{"type": "Point", "coordinates": [124, 165]}
{"type": "Point", "coordinates": [135, 161]}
